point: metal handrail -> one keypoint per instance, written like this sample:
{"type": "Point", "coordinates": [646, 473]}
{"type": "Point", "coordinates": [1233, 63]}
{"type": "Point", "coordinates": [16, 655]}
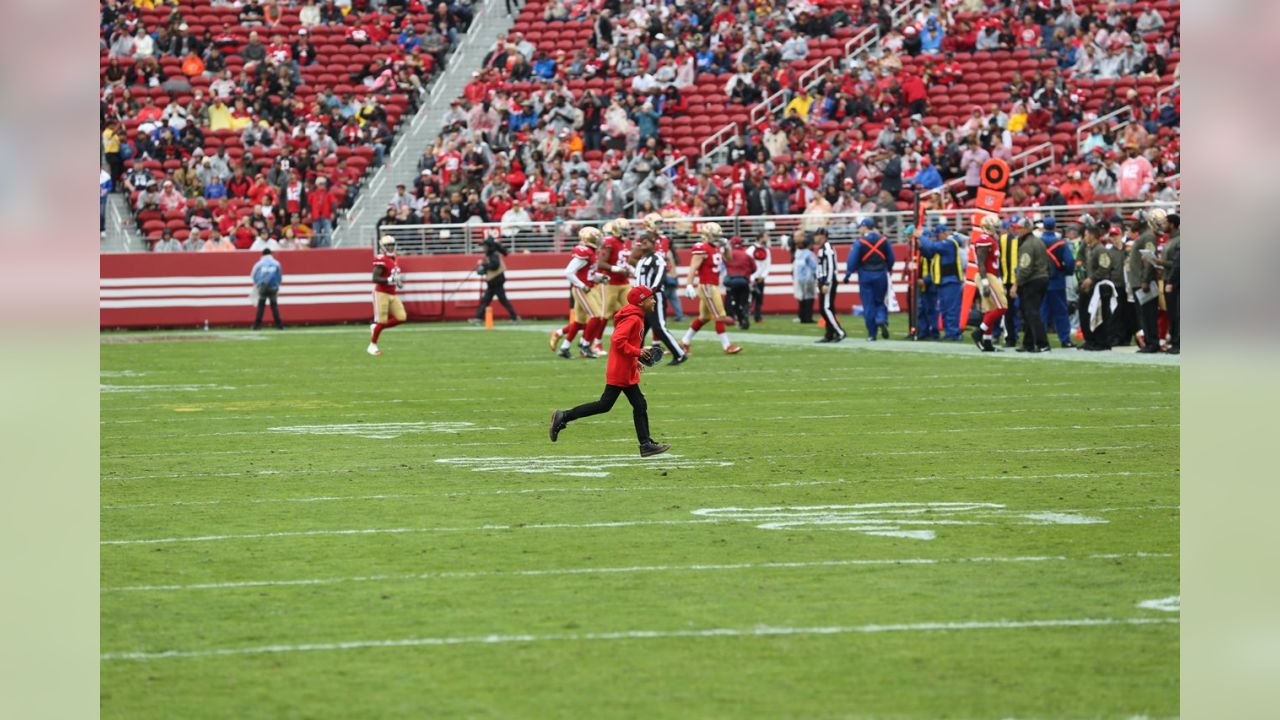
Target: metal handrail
{"type": "Point", "coordinates": [810, 77]}
{"type": "Point", "coordinates": [1160, 94]}
{"type": "Point", "coordinates": [731, 128]}
{"type": "Point", "coordinates": [561, 236]}
{"type": "Point", "coordinates": [1083, 129]}
{"type": "Point", "coordinates": [1030, 162]}
{"type": "Point", "coordinates": [907, 7]}
{"type": "Point", "coordinates": [859, 43]}
{"type": "Point", "coordinates": [766, 106]}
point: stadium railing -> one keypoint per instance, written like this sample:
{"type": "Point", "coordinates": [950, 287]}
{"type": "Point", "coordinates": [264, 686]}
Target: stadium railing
{"type": "Point", "coordinates": [562, 235]}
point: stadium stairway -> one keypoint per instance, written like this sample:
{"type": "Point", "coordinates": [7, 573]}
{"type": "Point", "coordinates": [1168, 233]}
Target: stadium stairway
{"type": "Point", "coordinates": [360, 223]}
{"type": "Point", "coordinates": [122, 234]}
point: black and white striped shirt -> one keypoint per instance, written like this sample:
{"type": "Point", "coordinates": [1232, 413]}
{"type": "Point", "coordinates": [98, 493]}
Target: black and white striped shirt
{"type": "Point", "coordinates": [651, 270]}
{"type": "Point", "coordinates": [826, 265]}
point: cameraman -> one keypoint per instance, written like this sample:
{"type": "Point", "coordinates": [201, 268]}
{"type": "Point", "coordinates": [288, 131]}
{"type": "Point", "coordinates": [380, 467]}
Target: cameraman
{"type": "Point", "coordinates": [494, 271]}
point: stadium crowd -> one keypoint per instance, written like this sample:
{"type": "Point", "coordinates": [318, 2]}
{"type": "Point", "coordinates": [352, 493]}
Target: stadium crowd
{"type": "Point", "coordinates": [235, 122]}
{"type": "Point", "coordinates": [544, 134]}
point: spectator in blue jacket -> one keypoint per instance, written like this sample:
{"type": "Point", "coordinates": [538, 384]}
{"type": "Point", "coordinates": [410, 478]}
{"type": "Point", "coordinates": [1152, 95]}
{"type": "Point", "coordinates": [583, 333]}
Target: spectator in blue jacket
{"type": "Point", "coordinates": [544, 67]}
{"type": "Point", "coordinates": [931, 36]}
{"type": "Point", "coordinates": [267, 275]}
{"type": "Point", "coordinates": [928, 178]}
{"type": "Point", "coordinates": [1062, 265]}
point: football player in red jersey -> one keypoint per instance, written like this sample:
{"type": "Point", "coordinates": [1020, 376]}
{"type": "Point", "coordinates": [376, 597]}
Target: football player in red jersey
{"type": "Point", "coordinates": [994, 303]}
{"type": "Point", "coordinates": [612, 261]}
{"type": "Point", "coordinates": [703, 283]}
{"type": "Point", "coordinates": [388, 309]}
{"type": "Point", "coordinates": [622, 375]}
{"type": "Point", "coordinates": [588, 313]}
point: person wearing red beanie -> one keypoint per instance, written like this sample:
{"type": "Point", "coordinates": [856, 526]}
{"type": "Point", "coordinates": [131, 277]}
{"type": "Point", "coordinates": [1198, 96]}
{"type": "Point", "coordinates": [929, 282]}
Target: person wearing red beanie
{"type": "Point", "coordinates": [622, 375]}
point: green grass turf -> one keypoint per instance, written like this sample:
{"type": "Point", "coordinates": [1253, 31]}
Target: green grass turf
{"type": "Point", "coordinates": [481, 588]}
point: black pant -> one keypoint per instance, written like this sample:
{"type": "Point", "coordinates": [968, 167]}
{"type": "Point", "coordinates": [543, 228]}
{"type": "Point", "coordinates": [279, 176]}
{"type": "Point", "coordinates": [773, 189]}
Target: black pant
{"type": "Point", "coordinates": [757, 300]}
{"type": "Point", "coordinates": [657, 322]}
{"type": "Point", "coordinates": [1030, 295]}
{"type": "Point", "coordinates": [827, 304]}
{"type": "Point", "coordinates": [1104, 336]}
{"type": "Point", "coordinates": [1173, 307]}
{"type": "Point", "coordinates": [1147, 314]}
{"type": "Point", "coordinates": [265, 294]}
{"type": "Point", "coordinates": [804, 310]}
{"type": "Point", "coordinates": [495, 289]}
{"type": "Point", "coordinates": [1126, 323]}
{"type": "Point", "coordinates": [738, 298]}
{"type": "Point", "coordinates": [639, 408]}
{"type": "Point", "coordinates": [1082, 312]}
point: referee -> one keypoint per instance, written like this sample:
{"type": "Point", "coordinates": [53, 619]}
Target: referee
{"type": "Point", "coordinates": [651, 268]}
{"type": "Point", "coordinates": [827, 286]}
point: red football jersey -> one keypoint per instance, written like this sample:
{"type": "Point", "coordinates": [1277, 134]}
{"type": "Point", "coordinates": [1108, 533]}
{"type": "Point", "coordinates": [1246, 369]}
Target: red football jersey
{"type": "Point", "coordinates": [587, 254]}
{"type": "Point", "coordinates": [391, 264]}
{"type": "Point", "coordinates": [614, 251]}
{"type": "Point", "coordinates": [709, 270]}
{"type": "Point", "coordinates": [983, 240]}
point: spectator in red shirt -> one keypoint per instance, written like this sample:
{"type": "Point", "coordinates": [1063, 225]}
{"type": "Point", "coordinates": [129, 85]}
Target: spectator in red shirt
{"type": "Point", "coordinates": [322, 205]}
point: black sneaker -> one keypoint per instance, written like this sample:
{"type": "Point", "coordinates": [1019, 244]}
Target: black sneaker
{"type": "Point", "coordinates": [977, 338]}
{"type": "Point", "coordinates": [564, 353]}
{"type": "Point", "coordinates": [678, 361]}
{"type": "Point", "coordinates": [1043, 348]}
{"type": "Point", "coordinates": [1070, 344]}
{"type": "Point", "coordinates": [652, 448]}
{"type": "Point", "coordinates": [838, 338]}
{"type": "Point", "coordinates": [884, 331]}
{"type": "Point", "coordinates": [1023, 348]}
{"type": "Point", "coordinates": [557, 423]}
{"type": "Point", "coordinates": [823, 340]}
{"type": "Point", "coordinates": [987, 345]}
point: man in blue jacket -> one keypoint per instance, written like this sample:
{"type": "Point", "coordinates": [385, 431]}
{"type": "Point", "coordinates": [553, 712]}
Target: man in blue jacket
{"type": "Point", "coordinates": [926, 291]}
{"type": "Point", "coordinates": [266, 280]}
{"type": "Point", "coordinates": [941, 251]}
{"type": "Point", "coordinates": [1062, 264]}
{"type": "Point", "coordinates": [872, 258]}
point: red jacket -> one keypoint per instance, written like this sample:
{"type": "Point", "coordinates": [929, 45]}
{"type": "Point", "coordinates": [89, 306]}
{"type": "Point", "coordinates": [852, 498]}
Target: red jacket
{"type": "Point", "coordinates": [625, 347]}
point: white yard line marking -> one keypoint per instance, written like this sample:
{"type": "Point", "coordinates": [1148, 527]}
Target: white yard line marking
{"type": "Point", "coordinates": [892, 519]}
{"type": "Point", "coordinates": [576, 464]}
{"type": "Point", "coordinates": [750, 632]}
{"type": "Point", "coordinates": [726, 519]}
{"type": "Point", "coordinates": [1173, 603]}
{"type": "Point", "coordinates": [693, 568]}
{"type": "Point", "coordinates": [377, 431]}
{"type": "Point", "coordinates": [103, 388]}
{"type": "Point", "coordinates": [537, 490]}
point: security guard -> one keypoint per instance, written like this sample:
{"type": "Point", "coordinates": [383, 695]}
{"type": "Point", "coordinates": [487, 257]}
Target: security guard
{"type": "Point", "coordinates": [1170, 265]}
{"type": "Point", "coordinates": [1143, 274]}
{"type": "Point", "coordinates": [1031, 279]}
{"type": "Point", "coordinates": [1053, 310]}
{"type": "Point", "coordinates": [1008, 263]}
{"type": "Point", "coordinates": [926, 291]}
{"type": "Point", "coordinates": [872, 258]}
{"type": "Point", "coordinates": [942, 257]}
{"type": "Point", "coordinates": [1106, 283]}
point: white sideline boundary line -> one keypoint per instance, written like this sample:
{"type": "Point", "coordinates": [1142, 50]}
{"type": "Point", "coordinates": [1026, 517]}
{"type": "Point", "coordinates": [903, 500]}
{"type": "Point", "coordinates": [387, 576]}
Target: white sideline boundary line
{"type": "Point", "coordinates": [530, 526]}
{"type": "Point", "coordinates": [697, 567]}
{"type": "Point", "coordinates": [751, 632]}
{"type": "Point", "coordinates": [537, 490]}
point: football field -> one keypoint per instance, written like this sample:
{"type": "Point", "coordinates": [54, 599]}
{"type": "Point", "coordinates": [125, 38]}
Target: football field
{"type": "Point", "coordinates": [291, 528]}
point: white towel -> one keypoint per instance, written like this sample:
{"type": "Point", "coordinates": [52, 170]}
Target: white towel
{"type": "Point", "coordinates": [1095, 304]}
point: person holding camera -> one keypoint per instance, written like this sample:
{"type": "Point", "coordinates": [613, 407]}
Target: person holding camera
{"type": "Point", "coordinates": [494, 271]}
